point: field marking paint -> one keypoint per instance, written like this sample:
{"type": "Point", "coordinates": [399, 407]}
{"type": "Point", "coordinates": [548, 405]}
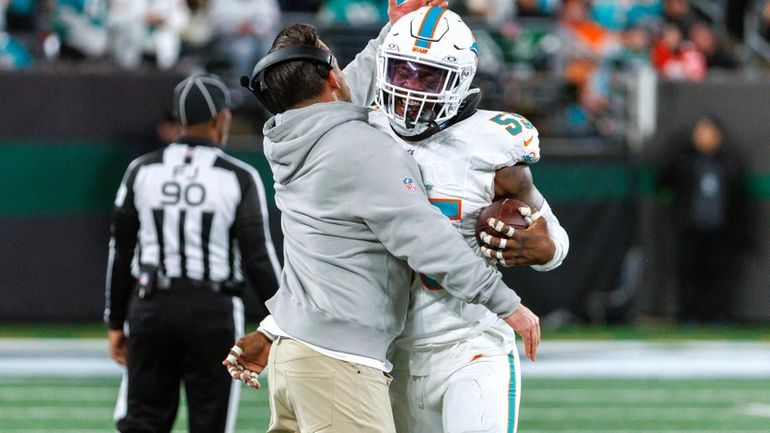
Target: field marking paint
{"type": "Point", "coordinates": [42, 393]}
{"type": "Point", "coordinates": [629, 414]}
{"type": "Point", "coordinates": [63, 414]}
{"type": "Point", "coordinates": [613, 430]}
{"type": "Point", "coordinates": [556, 359]}
{"type": "Point", "coordinates": [577, 395]}
{"type": "Point", "coordinates": [69, 430]}
{"type": "Point", "coordinates": [761, 410]}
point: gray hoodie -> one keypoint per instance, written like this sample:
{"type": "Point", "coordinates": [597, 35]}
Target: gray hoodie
{"type": "Point", "coordinates": [356, 221]}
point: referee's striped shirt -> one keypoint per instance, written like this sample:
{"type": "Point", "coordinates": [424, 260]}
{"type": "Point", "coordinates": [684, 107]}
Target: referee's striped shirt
{"type": "Point", "coordinates": [194, 212]}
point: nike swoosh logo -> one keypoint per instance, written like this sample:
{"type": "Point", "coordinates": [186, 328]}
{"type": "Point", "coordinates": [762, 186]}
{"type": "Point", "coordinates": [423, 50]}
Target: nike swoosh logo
{"type": "Point", "coordinates": [526, 142]}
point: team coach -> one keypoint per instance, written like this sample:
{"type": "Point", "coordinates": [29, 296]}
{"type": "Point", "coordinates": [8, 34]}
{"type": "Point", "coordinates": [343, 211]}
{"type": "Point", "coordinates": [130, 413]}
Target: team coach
{"type": "Point", "coordinates": [193, 220]}
{"type": "Point", "coordinates": [356, 221]}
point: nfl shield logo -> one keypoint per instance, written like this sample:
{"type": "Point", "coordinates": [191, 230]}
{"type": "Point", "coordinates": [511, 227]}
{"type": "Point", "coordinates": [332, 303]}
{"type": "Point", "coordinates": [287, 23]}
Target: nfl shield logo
{"type": "Point", "coordinates": [409, 183]}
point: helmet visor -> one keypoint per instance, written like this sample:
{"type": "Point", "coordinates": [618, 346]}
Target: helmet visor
{"type": "Point", "coordinates": [416, 76]}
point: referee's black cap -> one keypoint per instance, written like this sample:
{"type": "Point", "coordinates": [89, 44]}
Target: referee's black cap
{"type": "Point", "coordinates": [200, 98]}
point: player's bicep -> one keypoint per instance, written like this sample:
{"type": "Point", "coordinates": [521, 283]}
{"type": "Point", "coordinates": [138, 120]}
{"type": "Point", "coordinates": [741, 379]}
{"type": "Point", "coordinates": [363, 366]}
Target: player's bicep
{"type": "Point", "coordinates": [517, 182]}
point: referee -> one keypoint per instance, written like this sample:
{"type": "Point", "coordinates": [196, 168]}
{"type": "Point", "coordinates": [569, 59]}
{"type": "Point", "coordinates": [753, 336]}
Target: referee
{"type": "Point", "coordinates": [189, 223]}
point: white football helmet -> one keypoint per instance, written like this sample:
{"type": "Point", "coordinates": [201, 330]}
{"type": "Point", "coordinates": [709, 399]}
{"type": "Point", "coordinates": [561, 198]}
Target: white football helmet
{"type": "Point", "coordinates": [424, 69]}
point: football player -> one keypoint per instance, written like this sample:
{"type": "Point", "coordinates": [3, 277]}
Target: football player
{"type": "Point", "coordinates": [457, 367]}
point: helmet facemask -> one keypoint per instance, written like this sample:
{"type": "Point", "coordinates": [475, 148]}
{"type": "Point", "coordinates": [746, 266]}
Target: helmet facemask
{"type": "Point", "coordinates": [416, 93]}
{"type": "Point", "coordinates": [425, 66]}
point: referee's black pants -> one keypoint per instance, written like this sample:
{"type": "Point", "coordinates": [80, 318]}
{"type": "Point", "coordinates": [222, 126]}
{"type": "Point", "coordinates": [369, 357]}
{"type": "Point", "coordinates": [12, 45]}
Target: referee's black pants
{"type": "Point", "coordinates": [180, 335]}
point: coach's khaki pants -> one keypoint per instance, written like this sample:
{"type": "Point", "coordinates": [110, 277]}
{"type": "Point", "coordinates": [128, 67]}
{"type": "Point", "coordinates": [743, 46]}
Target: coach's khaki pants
{"type": "Point", "coordinates": [313, 393]}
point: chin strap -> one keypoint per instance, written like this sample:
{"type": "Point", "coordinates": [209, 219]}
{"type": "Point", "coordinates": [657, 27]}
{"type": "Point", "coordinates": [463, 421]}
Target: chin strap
{"type": "Point", "coordinates": [467, 108]}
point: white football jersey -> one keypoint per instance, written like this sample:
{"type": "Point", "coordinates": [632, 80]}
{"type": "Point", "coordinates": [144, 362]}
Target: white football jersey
{"type": "Point", "coordinates": [458, 167]}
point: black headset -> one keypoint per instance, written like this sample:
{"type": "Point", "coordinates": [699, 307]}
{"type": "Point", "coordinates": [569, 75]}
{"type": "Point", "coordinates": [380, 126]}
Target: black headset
{"type": "Point", "coordinates": [323, 60]}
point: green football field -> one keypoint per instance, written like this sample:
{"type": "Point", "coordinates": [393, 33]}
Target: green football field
{"type": "Point", "coordinates": [548, 406]}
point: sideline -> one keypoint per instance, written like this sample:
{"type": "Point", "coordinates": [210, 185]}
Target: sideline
{"type": "Point", "coordinates": [556, 359]}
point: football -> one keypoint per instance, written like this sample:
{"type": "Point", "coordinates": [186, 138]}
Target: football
{"type": "Point", "coordinates": [505, 210]}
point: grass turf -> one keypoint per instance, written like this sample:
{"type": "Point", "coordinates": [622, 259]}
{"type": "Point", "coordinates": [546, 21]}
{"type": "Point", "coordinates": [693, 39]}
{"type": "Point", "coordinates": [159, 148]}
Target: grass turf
{"type": "Point", "coordinates": [594, 332]}
{"type": "Point", "coordinates": [548, 406]}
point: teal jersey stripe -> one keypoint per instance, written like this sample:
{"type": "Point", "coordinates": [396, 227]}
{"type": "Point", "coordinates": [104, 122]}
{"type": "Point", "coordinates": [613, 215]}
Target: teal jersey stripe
{"type": "Point", "coordinates": [512, 394]}
{"type": "Point", "coordinates": [429, 27]}
{"type": "Point", "coordinates": [450, 209]}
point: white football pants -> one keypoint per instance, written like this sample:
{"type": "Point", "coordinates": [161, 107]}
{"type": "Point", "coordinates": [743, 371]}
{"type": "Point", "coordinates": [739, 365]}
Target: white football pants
{"type": "Point", "coordinates": [480, 397]}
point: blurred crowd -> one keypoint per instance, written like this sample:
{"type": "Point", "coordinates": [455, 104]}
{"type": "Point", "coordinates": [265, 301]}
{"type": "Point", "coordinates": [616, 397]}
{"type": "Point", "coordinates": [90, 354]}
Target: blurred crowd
{"type": "Point", "coordinates": [681, 41]}
{"type": "Point", "coordinates": [591, 50]}
{"type": "Point", "coordinates": [590, 46]}
{"type": "Point", "coordinates": [133, 33]}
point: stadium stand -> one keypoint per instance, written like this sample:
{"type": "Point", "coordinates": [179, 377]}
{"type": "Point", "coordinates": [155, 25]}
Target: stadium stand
{"type": "Point", "coordinates": [586, 50]}
{"type": "Point", "coordinates": [606, 82]}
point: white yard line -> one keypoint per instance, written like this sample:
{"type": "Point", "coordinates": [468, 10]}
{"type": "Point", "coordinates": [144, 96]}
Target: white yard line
{"type": "Point", "coordinates": [613, 430]}
{"type": "Point", "coordinates": [547, 395]}
{"type": "Point", "coordinates": [40, 413]}
{"type": "Point", "coordinates": [69, 430]}
{"type": "Point", "coordinates": [556, 359]}
{"type": "Point", "coordinates": [640, 360]}
{"type": "Point", "coordinates": [642, 395]}
{"type": "Point", "coordinates": [42, 394]}
{"type": "Point", "coordinates": [761, 410]}
{"type": "Point", "coordinates": [69, 393]}
{"type": "Point", "coordinates": [632, 414]}
{"type": "Point", "coordinates": [48, 430]}
{"type": "Point", "coordinates": [49, 413]}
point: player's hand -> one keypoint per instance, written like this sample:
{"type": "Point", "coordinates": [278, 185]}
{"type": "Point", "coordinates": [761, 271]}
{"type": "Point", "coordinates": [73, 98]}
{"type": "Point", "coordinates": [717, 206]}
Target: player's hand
{"type": "Point", "coordinates": [118, 345]}
{"type": "Point", "coordinates": [511, 246]}
{"type": "Point", "coordinates": [526, 324]}
{"type": "Point", "coordinates": [399, 8]}
{"type": "Point", "coordinates": [248, 358]}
